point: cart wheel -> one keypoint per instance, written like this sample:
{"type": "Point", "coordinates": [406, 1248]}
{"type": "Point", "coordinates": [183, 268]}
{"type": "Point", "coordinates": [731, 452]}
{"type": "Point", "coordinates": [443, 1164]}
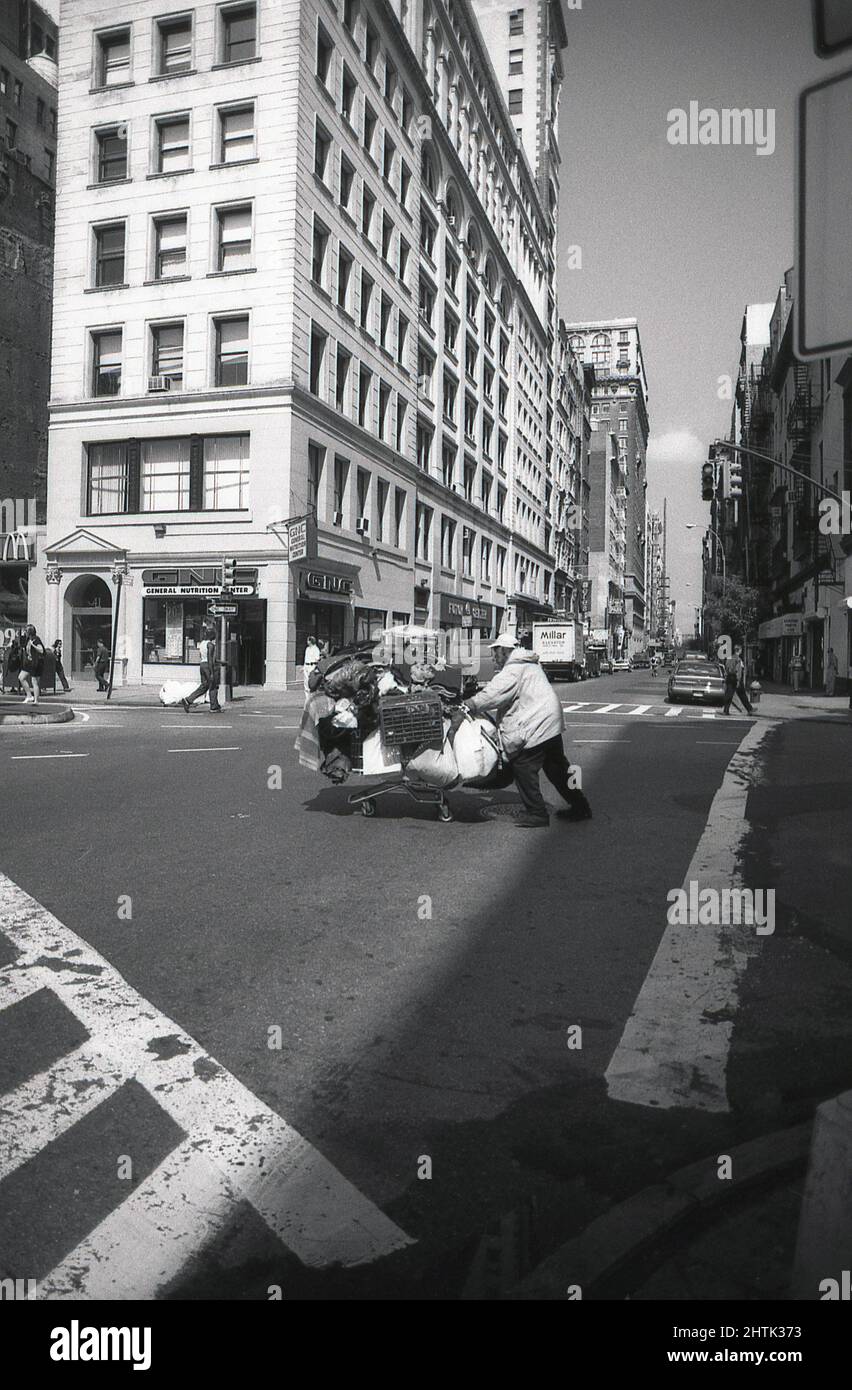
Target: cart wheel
{"type": "Point", "coordinates": [368, 807]}
{"type": "Point", "coordinates": [445, 812]}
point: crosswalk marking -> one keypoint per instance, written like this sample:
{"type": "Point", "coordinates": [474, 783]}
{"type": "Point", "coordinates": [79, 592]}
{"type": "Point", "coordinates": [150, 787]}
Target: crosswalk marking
{"type": "Point", "coordinates": [241, 1150]}
{"type": "Point", "coordinates": [673, 712]}
{"type": "Point", "coordinates": [640, 709]}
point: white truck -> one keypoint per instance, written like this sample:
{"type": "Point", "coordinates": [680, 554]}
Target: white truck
{"type": "Point", "coordinates": [559, 648]}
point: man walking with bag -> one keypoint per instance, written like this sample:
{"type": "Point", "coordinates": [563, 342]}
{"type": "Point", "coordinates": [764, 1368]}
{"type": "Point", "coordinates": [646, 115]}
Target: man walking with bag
{"type": "Point", "coordinates": [735, 681]}
{"type": "Point", "coordinates": [209, 673]}
{"type": "Point", "coordinates": [529, 714]}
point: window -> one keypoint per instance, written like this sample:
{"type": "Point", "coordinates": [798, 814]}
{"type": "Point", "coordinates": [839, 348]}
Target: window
{"type": "Point", "coordinates": [382, 493]}
{"type": "Point", "coordinates": [448, 465]}
{"type": "Point", "coordinates": [236, 134]}
{"type": "Point", "coordinates": [487, 436]}
{"type": "Point", "coordinates": [175, 45]}
{"type": "Point", "coordinates": [516, 101]}
{"type": "Point", "coordinates": [368, 204]}
{"type": "Point", "coordinates": [362, 489]}
{"type": "Point", "coordinates": [622, 424]}
{"type": "Point", "coordinates": [316, 367]}
{"type": "Point", "coordinates": [344, 277]}
{"type": "Point", "coordinates": [503, 399]}
{"type": "Point", "coordinates": [341, 478]}
{"type": "Point", "coordinates": [501, 567]}
{"type": "Point", "coordinates": [488, 328]}
{"type": "Point", "coordinates": [450, 393]}
{"type": "Point", "coordinates": [11, 134]}
{"type": "Point", "coordinates": [424, 447]}
{"type": "Point", "coordinates": [316, 462]}
{"type": "Point", "coordinates": [238, 33]}
{"type": "Point", "coordinates": [366, 299]}
{"type": "Point", "coordinates": [427, 235]}
{"type": "Point", "coordinates": [401, 412]}
{"type": "Point", "coordinates": [516, 21]}
{"type": "Point", "coordinates": [471, 353]}
{"type": "Point", "coordinates": [390, 81]}
{"type": "Point", "coordinates": [485, 491]}
{"type": "Point", "coordinates": [344, 362]}
{"type": "Point", "coordinates": [111, 148]}
{"type": "Point", "coordinates": [371, 47]}
{"type": "Point", "coordinates": [427, 173]}
{"type": "Point", "coordinates": [404, 183]}
{"type": "Point", "coordinates": [427, 303]}
{"type": "Point", "coordinates": [425, 368]}
{"type": "Point", "coordinates": [172, 144]}
{"type": "Point", "coordinates": [422, 531]}
{"type": "Point", "coordinates": [488, 379]}
{"type": "Point", "coordinates": [167, 353]}
{"type": "Point", "coordinates": [472, 299]}
{"type": "Point", "coordinates": [407, 109]}
{"type": "Point", "coordinates": [452, 264]}
{"type": "Point", "coordinates": [233, 238]}
{"type": "Point", "coordinates": [226, 472]}
{"type": "Point", "coordinates": [401, 338]}
{"type": "Point", "coordinates": [53, 120]}
{"type": "Point", "coordinates": [468, 543]}
{"type": "Point", "coordinates": [325, 49]}
{"type": "Point", "coordinates": [501, 506]}
{"type": "Point", "coordinates": [365, 383]}
{"type": "Point", "coordinates": [385, 309]}
{"type": "Point", "coordinates": [404, 253]}
{"type": "Point", "coordinates": [39, 112]}
{"type": "Point", "coordinates": [107, 483]}
{"type": "Point", "coordinates": [470, 417]}
{"type": "Point", "coordinates": [4, 81]}
{"type": "Point", "coordinates": [469, 479]}
{"type": "Point", "coordinates": [169, 247]}
{"type": "Point", "coordinates": [384, 409]}
{"type": "Point", "coordinates": [322, 146]}
{"type": "Point", "coordinates": [504, 352]}
{"type": "Point", "coordinates": [387, 236]}
{"type": "Point", "coordinates": [369, 127]}
{"type": "Point", "coordinates": [347, 95]}
{"type": "Point", "coordinates": [369, 624]}
{"type": "Point", "coordinates": [232, 351]}
{"type": "Point", "coordinates": [164, 475]}
{"type": "Point", "coordinates": [319, 255]}
{"type": "Point", "coordinates": [50, 158]}
{"type": "Point", "coordinates": [350, 14]}
{"type": "Point", "coordinates": [398, 516]}
{"type": "Point", "coordinates": [388, 155]}
{"type": "Point", "coordinates": [19, 92]}
{"type": "Point", "coordinates": [113, 58]}
{"type": "Point", "coordinates": [448, 542]}
{"type": "Point", "coordinates": [109, 255]}
{"type": "Point", "coordinates": [106, 362]}
{"type": "Point", "coordinates": [347, 181]}
{"type": "Point", "coordinates": [516, 62]}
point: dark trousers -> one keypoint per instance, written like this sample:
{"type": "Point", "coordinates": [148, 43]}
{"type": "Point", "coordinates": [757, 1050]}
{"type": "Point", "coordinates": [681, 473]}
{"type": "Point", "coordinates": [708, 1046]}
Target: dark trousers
{"type": "Point", "coordinates": [209, 681]}
{"type": "Point", "coordinates": [732, 688]}
{"type": "Point", "coordinates": [549, 758]}
{"type": "Point", "coordinates": [60, 671]}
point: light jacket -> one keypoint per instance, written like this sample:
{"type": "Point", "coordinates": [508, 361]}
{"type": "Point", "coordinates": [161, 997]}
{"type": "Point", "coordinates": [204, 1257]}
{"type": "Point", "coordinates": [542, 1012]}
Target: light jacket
{"type": "Point", "coordinates": [523, 702]}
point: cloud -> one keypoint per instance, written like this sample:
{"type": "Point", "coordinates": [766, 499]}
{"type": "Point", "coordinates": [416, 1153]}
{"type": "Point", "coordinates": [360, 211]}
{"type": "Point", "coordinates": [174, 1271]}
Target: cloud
{"type": "Point", "coordinates": [675, 447]}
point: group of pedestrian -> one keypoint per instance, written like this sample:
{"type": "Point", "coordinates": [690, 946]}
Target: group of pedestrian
{"type": "Point", "coordinates": [23, 663]}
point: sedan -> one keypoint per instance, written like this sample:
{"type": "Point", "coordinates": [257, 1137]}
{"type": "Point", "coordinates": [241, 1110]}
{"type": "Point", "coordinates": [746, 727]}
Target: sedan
{"type": "Point", "coordinates": [701, 681]}
{"type": "Point", "coordinates": [621, 665]}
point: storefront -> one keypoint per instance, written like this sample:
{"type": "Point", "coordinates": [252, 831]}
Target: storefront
{"type": "Point", "coordinates": [176, 611]}
{"type": "Point", "coordinates": [15, 565]}
{"type": "Point", "coordinates": [455, 611]}
{"type": "Point", "coordinates": [324, 605]}
{"type": "Point", "coordinates": [780, 640]}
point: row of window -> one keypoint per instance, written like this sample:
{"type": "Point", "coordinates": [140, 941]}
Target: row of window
{"type": "Point", "coordinates": [12, 144]}
{"type": "Point", "coordinates": [13, 89]}
{"type": "Point", "coordinates": [358, 393]}
{"type": "Point", "coordinates": [192, 473]}
{"type": "Point", "coordinates": [170, 143]}
{"type": "Point", "coordinates": [174, 45]}
{"type": "Point", "coordinates": [343, 89]}
{"type": "Point", "coordinates": [229, 353]}
{"type": "Point", "coordinates": [379, 230]}
{"type": "Point", "coordinates": [232, 246]}
{"type": "Point", "coordinates": [374, 309]}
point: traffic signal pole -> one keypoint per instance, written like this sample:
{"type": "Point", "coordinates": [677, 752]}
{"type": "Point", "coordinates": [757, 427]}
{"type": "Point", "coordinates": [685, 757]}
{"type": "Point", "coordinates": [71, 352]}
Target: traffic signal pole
{"type": "Point", "coordinates": [723, 444]}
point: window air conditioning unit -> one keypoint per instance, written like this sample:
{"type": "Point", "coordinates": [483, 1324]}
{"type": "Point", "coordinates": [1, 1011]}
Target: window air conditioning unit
{"type": "Point", "coordinates": [158, 383]}
{"type": "Point", "coordinates": [451, 221]}
{"type": "Point", "coordinates": [337, 519]}
{"type": "Point", "coordinates": [362, 526]}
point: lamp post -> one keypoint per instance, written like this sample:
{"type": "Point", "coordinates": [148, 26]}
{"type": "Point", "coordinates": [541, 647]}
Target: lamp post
{"type": "Point", "coordinates": [119, 577]}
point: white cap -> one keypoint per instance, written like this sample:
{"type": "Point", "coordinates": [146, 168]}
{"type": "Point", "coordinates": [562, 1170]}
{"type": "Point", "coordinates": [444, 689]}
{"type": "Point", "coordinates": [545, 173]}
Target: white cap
{"type": "Point", "coordinates": [504, 640]}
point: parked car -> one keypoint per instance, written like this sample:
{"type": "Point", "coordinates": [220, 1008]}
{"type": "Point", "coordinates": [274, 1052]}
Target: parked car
{"type": "Point", "coordinates": [641, 661]}
{"type": "Point", "coordinates": [700, 681]}
{"type": "Point", "coordinates": [622, 664]}
{"type": "Point", "coordinates": [605, 666]}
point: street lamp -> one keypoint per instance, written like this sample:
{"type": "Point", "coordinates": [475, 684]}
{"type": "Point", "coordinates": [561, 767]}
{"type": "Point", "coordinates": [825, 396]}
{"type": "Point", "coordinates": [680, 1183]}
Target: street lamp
{"type": "Point", "coordinates": [690, 526]}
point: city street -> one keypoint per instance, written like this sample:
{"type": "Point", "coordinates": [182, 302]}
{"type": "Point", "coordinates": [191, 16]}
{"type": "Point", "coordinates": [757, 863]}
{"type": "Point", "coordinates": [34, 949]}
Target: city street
{"type": "Point", "coordinates": [240, 960]}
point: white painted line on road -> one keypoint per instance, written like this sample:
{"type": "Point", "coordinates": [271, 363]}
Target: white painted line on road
{"type": "Point", "coordinates": [220, 748]}
{"type": "Point", "coordinates": [32, 757]}
{"type": "Point", "coordinates": [640, 709]}
{"type": "Point", "coordinates": [199, 729]}
{"type": "Point", "coordinates": [716, 743]}
{"type": "Point", "coordinates": [674, 712]}
{"type": "Point", "coordinates": [236, 1149]}
{"type": "Point", "coordinates": [579, 704]}
{"type": "Point", "coordinates": [47, 1105]}
{"type": "Point", "coordinates": [606, 709]}
{"type": "Point", "coordinates": [286, 726]}
{"type": "Point", "coordinates": [675, 1045]}
{"type": "Point", "coordinates": [706, 714]}
{"type": "Point", "coordinates": [602, 740]}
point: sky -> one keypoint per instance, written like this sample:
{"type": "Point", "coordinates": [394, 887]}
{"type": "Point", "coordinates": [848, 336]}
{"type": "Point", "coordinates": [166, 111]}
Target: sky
{"type": "Point", "coordinates": [680, 236]}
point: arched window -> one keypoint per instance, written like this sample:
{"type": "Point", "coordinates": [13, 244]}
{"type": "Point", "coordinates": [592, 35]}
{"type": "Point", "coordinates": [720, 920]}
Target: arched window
{"type": "Point", "coordinates": [490, 275]}
{"type": "Point", "coordinates": [505, 303]}
{"type": "Point", "coordinates": [474, 242]}
{"type": "Point", "coordinates": [454, 208]}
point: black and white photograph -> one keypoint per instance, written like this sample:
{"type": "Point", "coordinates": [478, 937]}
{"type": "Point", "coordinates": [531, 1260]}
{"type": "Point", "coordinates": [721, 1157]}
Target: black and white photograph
{"type": "Point", "coordinates": [402, 404]}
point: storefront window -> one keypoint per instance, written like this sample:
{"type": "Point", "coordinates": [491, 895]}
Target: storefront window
{"type": "Point", "coordinates": [369, 623]}
{"type": "Point", "coordinates": [322, 621]}
{"type": "Point", "coordinates": [172, 629]}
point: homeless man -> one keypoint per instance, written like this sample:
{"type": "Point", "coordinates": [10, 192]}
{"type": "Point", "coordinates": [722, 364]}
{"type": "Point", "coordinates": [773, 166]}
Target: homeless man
{"type": "Point", "coordinates": [529, 714]}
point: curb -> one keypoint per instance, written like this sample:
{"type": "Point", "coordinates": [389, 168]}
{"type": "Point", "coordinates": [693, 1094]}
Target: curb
{"type": "Point", "coordinates": [35, 714]}
{"type": "Point", "coordinates": [630, 1230]}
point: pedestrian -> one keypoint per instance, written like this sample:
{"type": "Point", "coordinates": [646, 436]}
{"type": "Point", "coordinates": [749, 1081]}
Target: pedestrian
{"type": "Point", "coordinates": [830, 671]}
{"type": "Point", "coordinates": [312, 655]}
{"type": "Point", "coordinates": [32, 665]}
{"type": "Point", "coordinates": [531, 722]}
{"type": "Point", "coordinates": [735, 681]}
{"type": "Point", "coordinates": [797, 668]}
{"type": "Point", "coordinates": [209, 672]}
{"type": "Point", "coordinates": [101, 664]}
{"type": "Point", "coordinates": [11, 663]}
{"type": "Point", "coordinates": [57, 662]}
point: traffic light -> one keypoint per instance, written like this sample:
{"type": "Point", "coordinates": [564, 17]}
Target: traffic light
{"type": "Point", "coordinates": [229, 572]}
{"type": "Point", "coordinates": [708, 481]}
{"type": "Point", "coordinates": [735, 478]}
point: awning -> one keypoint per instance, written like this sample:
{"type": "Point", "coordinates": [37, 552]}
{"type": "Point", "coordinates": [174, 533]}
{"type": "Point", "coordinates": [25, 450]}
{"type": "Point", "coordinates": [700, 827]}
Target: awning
{"type": "Point", "coordinates": [787, 625]}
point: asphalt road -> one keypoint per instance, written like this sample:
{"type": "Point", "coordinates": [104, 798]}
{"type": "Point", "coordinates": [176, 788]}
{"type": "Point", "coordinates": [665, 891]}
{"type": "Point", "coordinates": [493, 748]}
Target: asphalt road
{"type": "Point", "coordinates": [424, 976]}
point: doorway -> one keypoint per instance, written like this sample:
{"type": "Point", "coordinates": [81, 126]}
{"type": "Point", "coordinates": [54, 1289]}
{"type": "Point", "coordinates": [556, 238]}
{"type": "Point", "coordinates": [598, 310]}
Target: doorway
{"type": "Point", "coordinates": [88, 603]}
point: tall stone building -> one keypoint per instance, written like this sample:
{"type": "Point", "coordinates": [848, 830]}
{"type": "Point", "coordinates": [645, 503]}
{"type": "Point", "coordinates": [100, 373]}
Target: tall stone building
{"type": "Point", "coordinates": [28, 122]}
{"type": "Point", "coordinates": [305, 271]}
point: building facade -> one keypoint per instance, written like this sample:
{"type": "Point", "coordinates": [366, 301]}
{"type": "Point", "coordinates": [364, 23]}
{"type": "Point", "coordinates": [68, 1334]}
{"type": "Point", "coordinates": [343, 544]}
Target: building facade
{"type": "Point", "coordinates": [618, 476]}
{"type": "Point", "coordinates": [304, 285]}
{"type": "Point", "coordinates": [28, 125]}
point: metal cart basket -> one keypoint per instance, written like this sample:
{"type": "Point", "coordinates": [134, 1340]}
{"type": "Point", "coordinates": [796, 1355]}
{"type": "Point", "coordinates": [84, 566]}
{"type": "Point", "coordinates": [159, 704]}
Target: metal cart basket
{"type": "Point", "coordinates": [410, 722]}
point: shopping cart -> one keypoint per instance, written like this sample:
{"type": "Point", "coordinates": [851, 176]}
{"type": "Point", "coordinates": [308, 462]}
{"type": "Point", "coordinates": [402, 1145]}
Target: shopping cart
{"type": "Point", "coordinates": [410, 722]}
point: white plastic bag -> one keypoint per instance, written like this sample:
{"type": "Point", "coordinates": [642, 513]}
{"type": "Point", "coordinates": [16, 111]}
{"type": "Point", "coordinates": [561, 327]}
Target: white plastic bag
{"type": "Point", "coordinates": [436, 769]}
{"type": "Point", "coordinates": [172, 692]}
{"type": "Point", "coordinates": [475, 748]}
{"type": "Point", "coordinates": [377, 758]}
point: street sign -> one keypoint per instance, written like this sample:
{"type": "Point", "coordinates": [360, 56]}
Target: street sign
{"type": "Point", "coordinates": [832, 26]}
{"type": "Point", "coordinates": [823, 307]}
{"type": "Point", "coordinates": [223, 610]}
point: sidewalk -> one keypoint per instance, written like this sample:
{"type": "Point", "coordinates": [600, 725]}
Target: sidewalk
{"type": "Point", "coordinates": [781, 702]}
{"type": "Point", "coordinates": [85, 694]}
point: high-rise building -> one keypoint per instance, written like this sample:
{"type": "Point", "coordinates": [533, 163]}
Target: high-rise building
{"type": "Point", "coordinates": [617, 507]}
{"type": "Point", "coordinates": [305, 270]}
{"type": "Point", "coordinates": [28, 123]}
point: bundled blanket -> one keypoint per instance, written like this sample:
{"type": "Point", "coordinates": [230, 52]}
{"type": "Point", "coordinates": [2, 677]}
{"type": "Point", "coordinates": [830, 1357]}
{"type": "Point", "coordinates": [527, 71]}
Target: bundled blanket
{"type": "Point", "coordinates": [307, 743]}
